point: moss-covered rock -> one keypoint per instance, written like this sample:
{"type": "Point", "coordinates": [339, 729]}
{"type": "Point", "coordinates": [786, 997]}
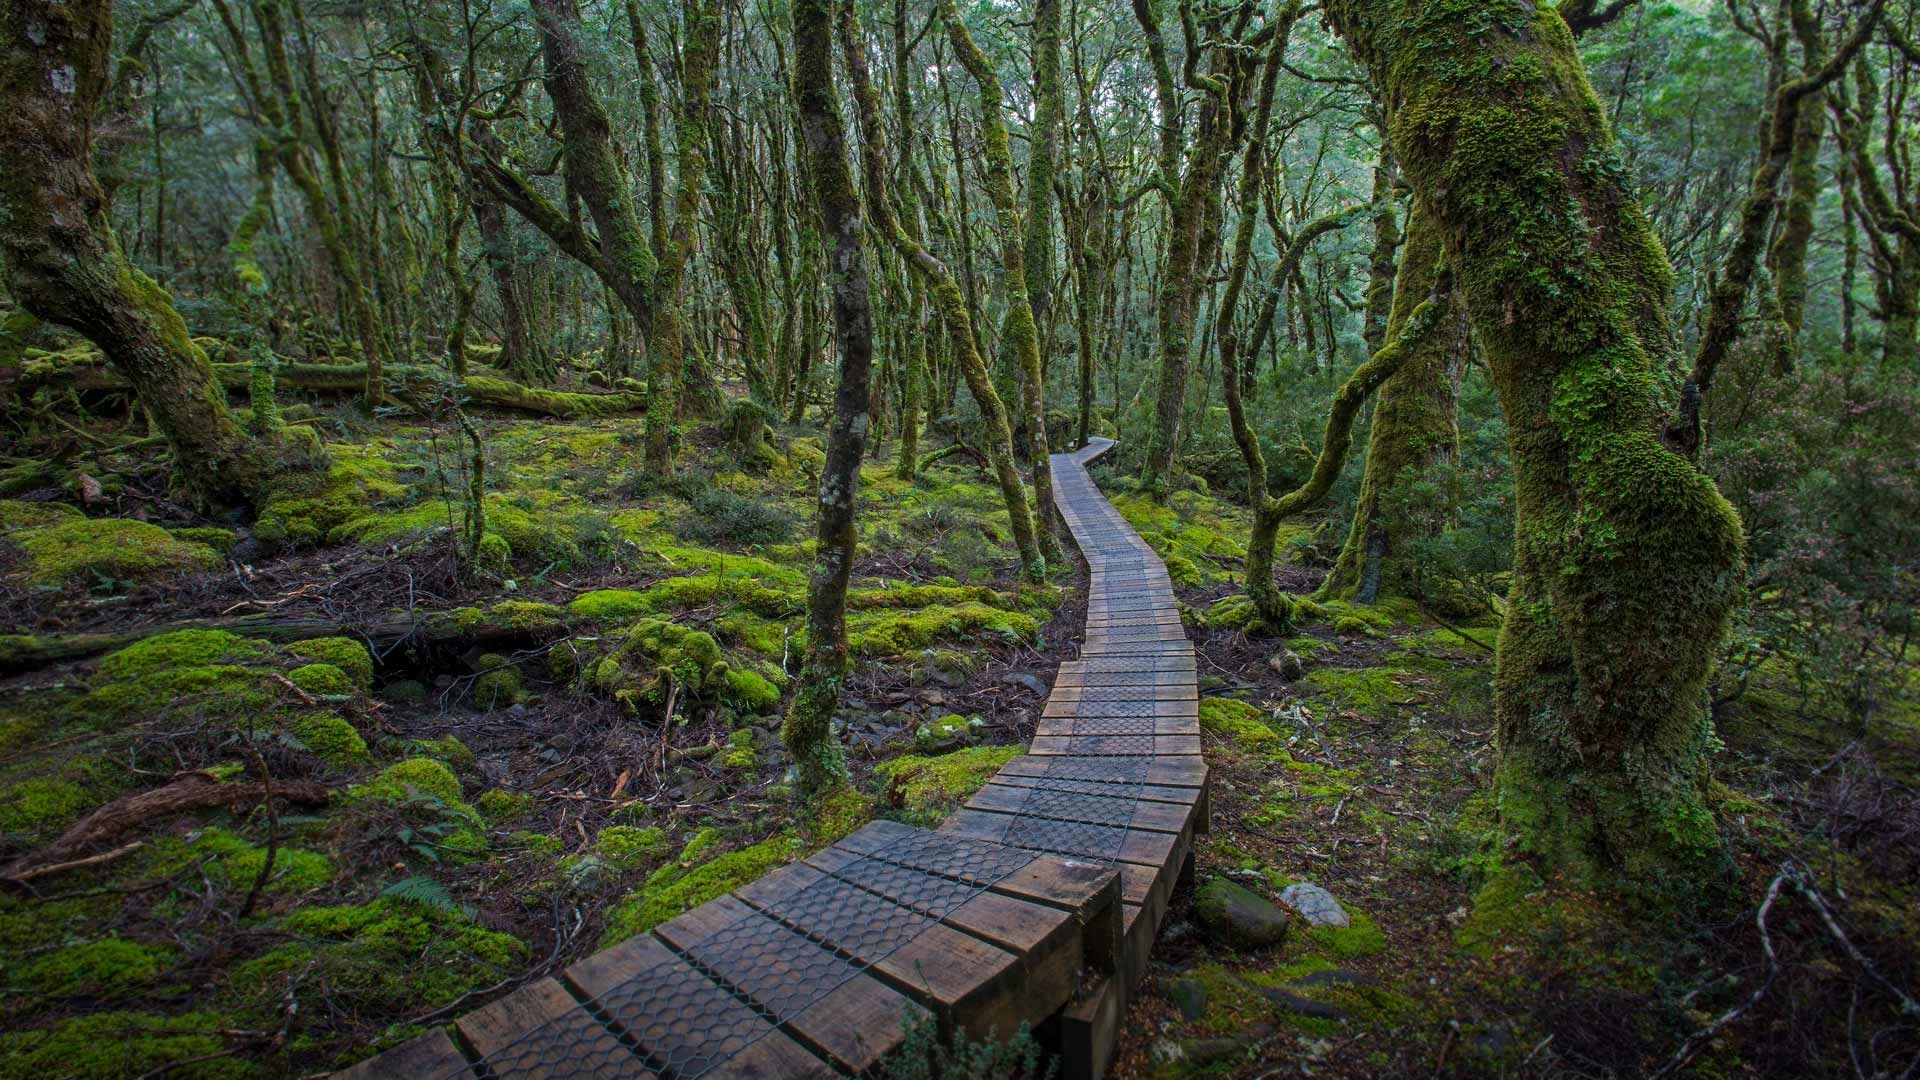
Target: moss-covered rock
{"type": "Point", "coordinates": [498, 683]}
{"type": "Point", "coordinates": [83, 550]}
{"type": "Point", "coordinates": [330, 738]}
{"type": "Point", "coordinates": [322, 680]}
{"type": "Point", "coordinates": [342, 652]}
{"type": "Point", "coordinates": [16, 515]}
{"type": "Point", "coordinates": [305, 505]}
{"type": "Point", "coordinates": [927, 788]}
{"type": "Point", "coordinates": [629, 847]}
{"type": "Point", "coordinates": [694, 878]}
{"type": "Point", "coordinates": [499, 806]}
{"type": "Point", "coordinates": [659, 657]}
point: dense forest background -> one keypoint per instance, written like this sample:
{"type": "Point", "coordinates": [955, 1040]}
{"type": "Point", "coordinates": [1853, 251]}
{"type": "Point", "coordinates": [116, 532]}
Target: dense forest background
{"type": "Point", "coordinates": [480, 479]}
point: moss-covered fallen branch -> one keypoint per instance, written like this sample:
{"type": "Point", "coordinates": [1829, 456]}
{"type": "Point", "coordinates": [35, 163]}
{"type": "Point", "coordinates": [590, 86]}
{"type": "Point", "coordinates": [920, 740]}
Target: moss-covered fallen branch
{"type": "Point", "coordinates": [88, 372]}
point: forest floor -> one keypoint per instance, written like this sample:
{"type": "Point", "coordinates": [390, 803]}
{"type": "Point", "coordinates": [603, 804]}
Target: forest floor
{"type": "Point", "coordinates": [472, 785]}
{"type": "Point", "coordinates": [1368, 773]}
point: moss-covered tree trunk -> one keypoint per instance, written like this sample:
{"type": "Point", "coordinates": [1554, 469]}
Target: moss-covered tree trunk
{"type": "Point", "coordinates": [1788, 257]}
{"type": "Point", "coordinates": [1416, 427]}
{"type": "Point", "coordinates": [1022, 327]}
{"type": "Point", "coordinates": [807, 732]}
{"type": "Point", "coordinates": [63, 262]}
{"type": "Point", "coordinates": [920, 320]}
{"type": "Point", "coordinates": [699, 57]}
{"type": "Point", "coordinates": [947, 296]}
{"type": "Point", "coordinates": [1627, 561]}
{"type": "Point", "coordinates": [594, 172]}
{"type": "Point", "coordinates": [1380, 262]}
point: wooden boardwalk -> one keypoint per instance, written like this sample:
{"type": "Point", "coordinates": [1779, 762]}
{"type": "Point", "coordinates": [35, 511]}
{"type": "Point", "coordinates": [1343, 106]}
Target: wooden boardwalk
{"type": "Point", "coordinates": [1036, 903]}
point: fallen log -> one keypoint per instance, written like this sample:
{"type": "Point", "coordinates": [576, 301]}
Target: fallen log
{"type": "Point", "coordinates": [30, 652]}
{"type": "Point", "coordinates": [186, 791]}
{"type": "Point", "coordinates": [64, 371]}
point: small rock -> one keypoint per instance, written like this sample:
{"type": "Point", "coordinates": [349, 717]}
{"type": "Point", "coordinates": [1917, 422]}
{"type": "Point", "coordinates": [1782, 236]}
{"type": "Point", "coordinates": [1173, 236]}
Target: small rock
{"type": "Point", "coordinates": [1208, 683]}
{"type": "Point", "coordinates": [1190, 996]}
{"type": "Point", "coordinates": [1286, 664]}
{"type": "Point", "coordinates": [1237, 916]}
{"type": "Point", "coordinates": [1315, 904]}
{"type": "Point", "coordinates": [1027, 679]}
{"type": "Point", "coordinates": [933, 697]}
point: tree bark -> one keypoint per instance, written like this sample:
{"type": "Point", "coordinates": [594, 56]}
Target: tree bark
{"type": "Point", "coordinates": [1628, 562]}
{"type": "Point", "coordinates": [1415, 426]}
{"type": "Point", "coordinates": [65, 265]}
{"type": "Point", "coordinates": [807, 732]}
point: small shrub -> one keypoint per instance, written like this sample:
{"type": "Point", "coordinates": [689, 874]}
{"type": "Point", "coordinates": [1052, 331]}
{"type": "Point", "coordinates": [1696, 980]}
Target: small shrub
{"type": "Point", "coordinates": [726, 518]}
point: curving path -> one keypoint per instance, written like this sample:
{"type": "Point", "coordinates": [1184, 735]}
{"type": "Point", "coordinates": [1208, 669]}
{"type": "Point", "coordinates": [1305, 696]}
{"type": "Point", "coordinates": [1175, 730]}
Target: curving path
{"type": "Point", "coordinates": [1036, 903]}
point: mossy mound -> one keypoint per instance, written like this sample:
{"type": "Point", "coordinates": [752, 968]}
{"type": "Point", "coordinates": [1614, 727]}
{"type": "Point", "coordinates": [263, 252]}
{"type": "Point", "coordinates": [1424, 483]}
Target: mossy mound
{"type": "Point", "coordinates": [895, 633]}
{"type": "Point", "coordinates": [1239, 723]}
{"type": "Point", "coordinates": [497, 683]}
{"type": "Point", "coordinates": [124, 1045]}
{"type": "Point", "coordinates": [695, 876]}
{"type": "Point", "coordinates": [331, 739]}
{"type": "Point", "coordinates": [85, 550]}
{"type": "Point", "coordinates": [306, 505]}
{"type": "Point", "coordinates": [530, 533]}
{"type": "Point", "coordinates": [16, 515]}
{"type": "Point", "coordinates": [387, 954]}
{"type": "Point", "coordinates": [927, 788]}
{"type": "Point", "coordinates": [660, 657]}
{"type": "Point", "coordinates": [207, 673]}
{"type": "Point", "coordinates": [691, 591]}
{"type": "Point", "coordinates": [322, 680]}
{"type": "Point", "coordinates": [107, 968]}
{"type": "Point", "coordinates": [344, 653]}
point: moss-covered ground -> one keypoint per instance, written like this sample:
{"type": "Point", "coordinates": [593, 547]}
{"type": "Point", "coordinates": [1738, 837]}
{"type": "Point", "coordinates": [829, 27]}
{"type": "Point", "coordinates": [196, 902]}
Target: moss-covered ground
{"type": "Point", "coordinates": [1369, 774]}
{"type": "Point", "coordinates": [527, 758]}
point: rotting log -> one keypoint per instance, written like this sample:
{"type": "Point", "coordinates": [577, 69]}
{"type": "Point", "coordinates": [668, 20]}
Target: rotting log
{"type": "Point", "coordinates": [60, 370]}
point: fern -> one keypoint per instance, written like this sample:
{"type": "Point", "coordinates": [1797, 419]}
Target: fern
{"type": "Point", "coordinates": [426, 892]}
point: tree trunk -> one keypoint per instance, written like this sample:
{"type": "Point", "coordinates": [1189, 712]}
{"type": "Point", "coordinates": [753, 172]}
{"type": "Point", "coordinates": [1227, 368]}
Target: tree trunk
{"type": "Point", "coordinates": [1628, 562]}
{"type": "Point", "coordinates": [808, 731]}
{"type": "Point", "coordinates": [64, 264]}
{"type": "Point", "coordinates": [1415, 425]}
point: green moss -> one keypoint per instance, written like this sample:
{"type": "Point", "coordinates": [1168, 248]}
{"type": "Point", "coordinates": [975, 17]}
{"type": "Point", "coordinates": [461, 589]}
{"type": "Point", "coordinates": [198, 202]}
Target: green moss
{"type": "Point", "coordinates": [220, 540]}
{"type": "Point", "coordinates": [920, 596]}
{"type": "Point", "coordinates": [1239, 723]}
{"type": "Point", "coordinates": [1367, 691]}
{"type": "Point", "coordinates": [626, 847]}
{"type": "Point", "coordinates": [531, 534]}
{"type": "Point", "coordinates": [331, 739]}
{"type": "Point", "coordinates": [43, 803]}
{"type": "Point", "coordinates": [497, 806]}
{"type": "Point", "coordinates": [322, 680]}
{"type": "Point", "coordinates": [659, 657]}
{"type": "Point", "coordinates": [123, 1045]}
{"type": "Point", "coordinates": [527, 616]}
{"type": "Point", "coordinates": [305, 505]}
{"type": "Point", "coordinates": [897, 633]}
{"type": "Point", "coordinates": [344, 653]}
{"type": "Point", "coordinates": [181, 648]}
{"type": "Point", "coordinates": [1352, 625]}
{"type": "Point", "coordinates": [87, 549]}
{"type": "Point", "coordinates": [836, 813]}
{"type": "Point", "coordinates": [446, 749]}
{"type": "Point", "coordinates": [498, 683]}
{"type": "Point", "coordinates": [751, 633]}
{"type": "Point", "coordinates": [389, 955]}
{"type": "Point", "coordinates": [538, 845]}
{"type": "Point", "coordinates": [1308, 645]}
{"type": "Point", "coordinates": [675, 889]}
{"type": "Point", "coordinates": [611, 604]}
{"type": "Point", "coordinates": [236, 862]}
{"type": "Point", "coordinates": [105, 968]}
{"type": "Point", "coordinates": [1501, 911]}
{"type": "Point", "coordinates": [1359, 939]}
{"type": "Point", "coordinates": [415, 776]}
{"type": "Point", "coordinates": [16, 515]}
{"type": "Point", "coordinates": [740, 752]}
{"type": "Point", "coordinates": [928, 787]}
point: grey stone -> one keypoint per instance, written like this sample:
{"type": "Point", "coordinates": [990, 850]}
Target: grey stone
{"type": "Point", "coordinates": [1027, 679]}
{"type": "Point", "coordinates": [1237, 916]}
{"type": "Point", "coordinates": [1189, 995]}
{"type": "Point", "coordinates": [1286, 664]}
{"type": "Point", "coordinates": [1315, 904]}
